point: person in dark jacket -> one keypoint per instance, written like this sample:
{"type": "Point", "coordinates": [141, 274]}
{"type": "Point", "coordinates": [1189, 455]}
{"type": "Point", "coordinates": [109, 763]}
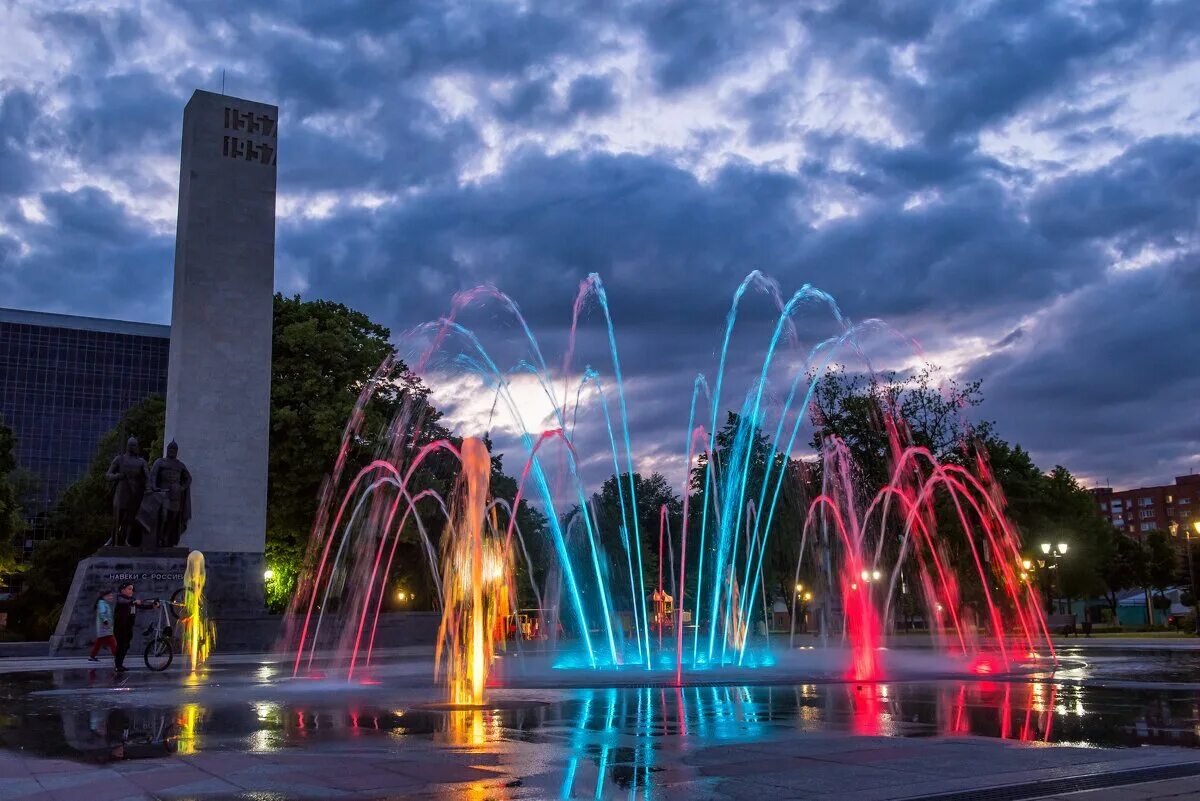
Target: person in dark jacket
{"type": "Point", "coordinates": [126, 610]}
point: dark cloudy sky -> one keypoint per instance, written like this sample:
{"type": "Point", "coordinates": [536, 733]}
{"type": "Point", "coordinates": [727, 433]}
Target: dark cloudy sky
{"type": "Point", "coordinates": [1013, 184]}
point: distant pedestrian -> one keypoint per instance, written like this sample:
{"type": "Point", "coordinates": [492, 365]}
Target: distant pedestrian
{"type": "Point", "coordinates": [104, 626]}
{"type": "Point", "coordinates": [127, 607]}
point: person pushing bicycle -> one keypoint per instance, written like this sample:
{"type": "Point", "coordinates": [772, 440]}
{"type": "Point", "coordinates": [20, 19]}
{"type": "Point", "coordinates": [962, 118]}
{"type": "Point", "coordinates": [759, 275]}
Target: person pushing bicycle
{"type": "Point", "coordinates": [127, 606]}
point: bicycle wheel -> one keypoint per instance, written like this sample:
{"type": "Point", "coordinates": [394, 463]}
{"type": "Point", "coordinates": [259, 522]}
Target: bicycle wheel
{"type": "Point", "coordinates": [176, 606]}
{"type": "Point", "coordinates": [158, 654]}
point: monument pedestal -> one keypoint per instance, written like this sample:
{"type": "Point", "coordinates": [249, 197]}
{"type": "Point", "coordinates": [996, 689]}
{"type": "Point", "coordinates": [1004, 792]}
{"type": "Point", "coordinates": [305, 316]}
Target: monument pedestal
{"type": "Point", "coordinates": [153, 575]}
{"type": "Point", "coordinates": [234, 584]}
{"type": "Point", "coordinates": [233, 597]}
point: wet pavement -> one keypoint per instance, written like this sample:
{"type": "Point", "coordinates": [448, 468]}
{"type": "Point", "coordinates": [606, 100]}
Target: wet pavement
{"type": "Point", "coordinates": [244, 729]}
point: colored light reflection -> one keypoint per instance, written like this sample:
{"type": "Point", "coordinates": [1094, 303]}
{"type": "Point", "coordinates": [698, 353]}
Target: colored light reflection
{"type": "Point", "coordinates": [185, 724]}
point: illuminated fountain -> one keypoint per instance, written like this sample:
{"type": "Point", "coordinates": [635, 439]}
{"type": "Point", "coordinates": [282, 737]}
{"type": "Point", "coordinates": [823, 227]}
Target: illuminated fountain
{"type": "Point", "coordinates": [475, 595]}
{"type": "Point", "coordinates": [199, 634]}
{"type": "Point", "coordinates": [597, 607]}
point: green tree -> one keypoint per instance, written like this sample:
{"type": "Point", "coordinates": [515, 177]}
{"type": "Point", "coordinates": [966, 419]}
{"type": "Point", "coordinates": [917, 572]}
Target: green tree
{"type": "Point", "coordinates": [855, 409]}
{"type": "Point", "coordinates": [928, 412]}
{"type": "Point", "coordinates": [323, 354]}
{"type": "Point", "coordinates": [11, 523]}
{"type": "Point", "coordinates": [1123, 566]}
{"type": "Point", "coordinates": [787, 523]}
{"type": "Point", "coordinates": [1071, 518]}
{"type": "Point", "coordinates": [1162, 561]}
{"type": "Point", "coordinates": [81, 522]}
{"type": "Point", "coordinates": [652, 494]}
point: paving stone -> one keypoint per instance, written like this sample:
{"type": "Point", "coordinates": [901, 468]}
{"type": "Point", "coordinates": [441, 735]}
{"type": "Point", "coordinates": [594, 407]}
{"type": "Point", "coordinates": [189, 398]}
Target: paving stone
{"type": "Point", "coordinates": [164, 778]}
{"type": "Point", "coordinates": [19, 788]}
{"type": "Point", "coordinates": [206, 788]}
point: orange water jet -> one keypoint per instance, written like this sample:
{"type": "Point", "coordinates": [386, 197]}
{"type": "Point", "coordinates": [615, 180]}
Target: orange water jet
{"type": "Point", "coordinates": [474, 579]}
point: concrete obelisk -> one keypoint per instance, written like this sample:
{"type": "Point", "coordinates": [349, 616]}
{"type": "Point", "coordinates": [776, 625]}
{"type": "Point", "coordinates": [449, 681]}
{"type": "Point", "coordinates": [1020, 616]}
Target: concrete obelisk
{"type": "Point", "coordinates": [218, 380]}
{"type": "Point", "coordinates": [219, 375]}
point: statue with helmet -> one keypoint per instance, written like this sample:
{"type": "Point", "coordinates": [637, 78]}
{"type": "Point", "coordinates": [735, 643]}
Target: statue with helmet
{"type": "Point", "coordinates": [168, 503]}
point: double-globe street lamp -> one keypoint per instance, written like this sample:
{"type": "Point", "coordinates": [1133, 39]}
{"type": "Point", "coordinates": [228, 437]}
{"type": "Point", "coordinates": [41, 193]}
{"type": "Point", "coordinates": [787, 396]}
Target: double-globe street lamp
{"type": "Point", "coordinates": [1187, 535]}
{"type": "Point", "coordinates": [1056, 551]}
{"type": "Point", "coordinates": [800, 606]}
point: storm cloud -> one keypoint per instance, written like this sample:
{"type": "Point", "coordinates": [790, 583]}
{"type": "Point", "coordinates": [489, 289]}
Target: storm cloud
{"type": "Point", "coordinates": [1013, 185]}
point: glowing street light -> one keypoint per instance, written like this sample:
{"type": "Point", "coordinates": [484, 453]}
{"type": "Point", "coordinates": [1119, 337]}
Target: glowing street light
{"type": "Point", "coordinates": [799, 588]}
{"type": "Point", "coordinates": [1058, 551]}
{"type": "Point", "coordinates": [876, 575]}
{"type": "Point", "coordinates": [268, 574]}
{"type": "Point", "coordinates": [1192, 576]}
{"type": "Point", "coordinates": [401, 596]}
{"type": "Point", "coordinates": [1027, 564]}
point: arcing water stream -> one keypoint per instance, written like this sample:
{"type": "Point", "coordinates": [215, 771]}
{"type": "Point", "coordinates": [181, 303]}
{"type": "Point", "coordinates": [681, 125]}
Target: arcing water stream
{"type": "Point", "coordinates": [868, 552]}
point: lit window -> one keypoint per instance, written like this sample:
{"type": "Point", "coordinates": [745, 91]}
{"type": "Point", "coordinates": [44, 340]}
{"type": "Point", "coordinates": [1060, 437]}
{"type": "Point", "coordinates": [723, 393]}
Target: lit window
{"type": "Point", "coordinates": [1147, 526]}
{"type": "Point", "coordinates": [1145, 501]}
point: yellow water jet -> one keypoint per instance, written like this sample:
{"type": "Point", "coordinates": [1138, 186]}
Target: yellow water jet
{"type": "Point", "coordinates": [198, 631]}
{"type": "Point", "coordinates": [474, 581]}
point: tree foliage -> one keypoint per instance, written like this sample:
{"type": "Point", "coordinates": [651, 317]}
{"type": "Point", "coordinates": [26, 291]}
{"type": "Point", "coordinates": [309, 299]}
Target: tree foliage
{"type": "Point", "coordinates": [652, 494]}
{"type": "Point", "coordinates": [854, 408]}
{"type": "Point", "coordinates": [930, 413]}
{"type": "Point", "coordinates": [81, 521]}
{"type": "Point", "coordinates": [1123, 566]}
{"type": "Point", "coordinates": [11, 523]}
{"type": "Point", "coordinates": [1161, 562]}
{"type": "Point", "coordinates": [711, 491]}
{"type": "Point", "coordinates": [323, 354]}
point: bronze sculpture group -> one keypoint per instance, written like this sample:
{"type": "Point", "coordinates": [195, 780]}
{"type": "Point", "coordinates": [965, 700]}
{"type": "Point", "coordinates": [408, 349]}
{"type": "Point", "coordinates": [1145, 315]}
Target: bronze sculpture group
{"type": "Point", "coordinates": [149, 505]}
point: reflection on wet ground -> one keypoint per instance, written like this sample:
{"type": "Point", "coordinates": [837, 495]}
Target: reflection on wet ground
{"type": "Point", "coordinates": [1115, 664]}
{"type": "Point", "coordinates": [116, 725]}
{"type": "Point", "coordinates": [628, 738]}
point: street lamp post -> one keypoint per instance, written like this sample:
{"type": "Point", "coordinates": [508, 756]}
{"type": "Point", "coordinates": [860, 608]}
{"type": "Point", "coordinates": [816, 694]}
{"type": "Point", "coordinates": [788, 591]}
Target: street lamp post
{"type": "Point", "coordinates": [1192, 578]}
{"type": "Point", "coordinates": [1056, 550]}
{"type": "Point", "coordinates": [1187, 539]}
{"type": "Point", "coordinates": [800, 607]}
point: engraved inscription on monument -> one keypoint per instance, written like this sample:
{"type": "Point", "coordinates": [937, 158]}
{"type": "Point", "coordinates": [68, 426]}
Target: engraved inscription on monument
{"type": "Point", "coordinates": [249, 124]}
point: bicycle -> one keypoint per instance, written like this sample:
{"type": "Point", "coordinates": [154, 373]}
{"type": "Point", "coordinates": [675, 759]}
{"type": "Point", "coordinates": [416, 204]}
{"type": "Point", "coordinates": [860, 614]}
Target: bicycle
{"type": "Point", "coordinates": [160, 648]}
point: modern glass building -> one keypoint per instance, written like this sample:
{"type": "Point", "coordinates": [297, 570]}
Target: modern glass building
{"type": "Point", "coordinates": [64, 382]}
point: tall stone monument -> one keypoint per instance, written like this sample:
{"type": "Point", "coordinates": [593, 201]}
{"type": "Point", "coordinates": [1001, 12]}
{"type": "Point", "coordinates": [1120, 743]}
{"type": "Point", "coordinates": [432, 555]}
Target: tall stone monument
{"type": "Point", "coordinates": [218, 379]}
{"type": "Point", "coordinates": [219, 375]}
